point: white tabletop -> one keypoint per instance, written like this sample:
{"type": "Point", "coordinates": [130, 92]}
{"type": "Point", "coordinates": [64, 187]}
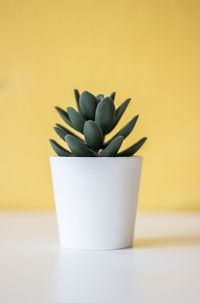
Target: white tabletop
{"type": "Point", "coordinates": [164, 265]}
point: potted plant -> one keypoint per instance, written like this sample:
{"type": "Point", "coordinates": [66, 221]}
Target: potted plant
{"type": "Point", "coordinates": [95, 186]}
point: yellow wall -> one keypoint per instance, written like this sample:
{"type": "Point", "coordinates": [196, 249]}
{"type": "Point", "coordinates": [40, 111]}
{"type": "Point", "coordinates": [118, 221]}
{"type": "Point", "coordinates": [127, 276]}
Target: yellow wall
{"type": "Point", "coordinates": [145, 49]}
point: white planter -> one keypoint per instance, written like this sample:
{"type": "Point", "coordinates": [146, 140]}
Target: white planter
{"type": "Point", "coordinates": [96, 200]}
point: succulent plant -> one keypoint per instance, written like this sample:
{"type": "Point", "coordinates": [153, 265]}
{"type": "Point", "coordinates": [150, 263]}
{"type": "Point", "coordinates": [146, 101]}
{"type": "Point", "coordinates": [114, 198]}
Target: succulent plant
{"type": "Point", "coordinates": [94, 118]}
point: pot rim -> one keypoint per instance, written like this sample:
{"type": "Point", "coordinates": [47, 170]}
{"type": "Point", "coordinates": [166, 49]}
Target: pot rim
{"type": "Point", "coordinates": [129, 157]}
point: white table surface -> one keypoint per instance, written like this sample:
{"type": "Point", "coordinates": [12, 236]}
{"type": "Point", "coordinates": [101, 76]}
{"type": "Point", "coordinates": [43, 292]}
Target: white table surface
{"type": "Point", "coordinates": [164, 265]}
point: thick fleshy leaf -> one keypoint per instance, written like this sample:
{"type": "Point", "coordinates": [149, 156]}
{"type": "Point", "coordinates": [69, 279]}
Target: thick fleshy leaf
{"type": "Point", "coordinates": [77, 98]}
{"type": "Point", "coordinates": [112, 96]}
{"type": "Point", "coordinates": [105, 114]}
{"type": "Point", "coordinates": [133, 149]}
{"type": "Point", "coordinates": [119, 112]}
{"type": "Point", "coordinates": [112, 149]}
{"type": "Point", "coordinates": [88, 104]}
{"type": "Point", "coordinates": [76, 119]}
{"type": "Point", "coordinates": [100, 97]}
{"type": "Point", "coordinates": [125, 131]}
{"type": "Point", "coordinates": [61, 131]}
{"type": "Point", "coordinates": [93, 134]}
{"type": "Point", "coordinates": [59, 150]}
{"type": "Point", "coordinates": [64, 115]}
{"type": "Point", "coordinates": [79, 148]}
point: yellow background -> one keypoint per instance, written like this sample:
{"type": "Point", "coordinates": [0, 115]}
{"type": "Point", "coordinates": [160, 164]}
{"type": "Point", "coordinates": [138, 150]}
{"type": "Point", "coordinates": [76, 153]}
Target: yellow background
{"type": "Point", "coordinates": [147, 50]}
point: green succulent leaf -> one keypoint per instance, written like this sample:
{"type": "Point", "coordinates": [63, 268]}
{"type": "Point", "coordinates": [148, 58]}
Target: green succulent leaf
{"type": "Point", "coordinates": [88, 104]}
{"type": "Point", "coordinates": [112, 96]}
{"type": "Point", "coordinates": [59, 150]}
{"type": "Point", "coordinates": [76, 119]}
{"type": "Point", "coordinates": [105, 114]}
{"type": "Point", "coordinates": [61, 131]}
{"type": "Point", "coordinates": [93, 134]}
{"type": "Point", "coordinates": [64, 115]}
{"type": "Point", "coordinates": [112, 149]}
{"type": "Point", "coordinates": [100, 97]}
{"type": "Point", "coordinates": [133, 149]}
{"type": "Point", "coordinates": [126, 130]}
{"type": "Point", "coordinates": [120, 111]}
{"type": "Point", "coordinates": [77, 98]}
{"type": "Point", "coordinates": [79, 148]}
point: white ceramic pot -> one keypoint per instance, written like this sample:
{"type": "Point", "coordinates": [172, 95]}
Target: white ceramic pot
{"type": "Point", "coordinates": [96, 200]}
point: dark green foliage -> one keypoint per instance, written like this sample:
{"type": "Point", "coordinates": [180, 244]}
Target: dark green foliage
{"type": "Point", "coordinates": [112, 96]}
{"type": "Point", "coordinates": [119, 112]}
{"type": "Point", "coordinates": [112, 149]}
{"type": "Point", "coordinates": [76, 119]}
{"type": "Point", "coordinates": [95, 118]}
{"type": "Point", "coordinates": [88, 104]}
{"type": "Point", "coordinates": [79, 148]}
{"type": "Point", "coordinates": [60, 151]}
{"type": "Point", "coordinates": [105, 114]}
{"type": "Point", "coordinates": [64, 115]}
{"type": "Point", "coordinates": [62, 132]}
{"type": "Point", "coordinates": [77, 98]}
{"type": "Point", "coordinates": [133, 149]}
{"type": "Point", "coordinates": [99, 97]}
{"type": "Point", "coordinates": [126, 130]}
{"type": "Point", "coordinates": [93, 134]}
